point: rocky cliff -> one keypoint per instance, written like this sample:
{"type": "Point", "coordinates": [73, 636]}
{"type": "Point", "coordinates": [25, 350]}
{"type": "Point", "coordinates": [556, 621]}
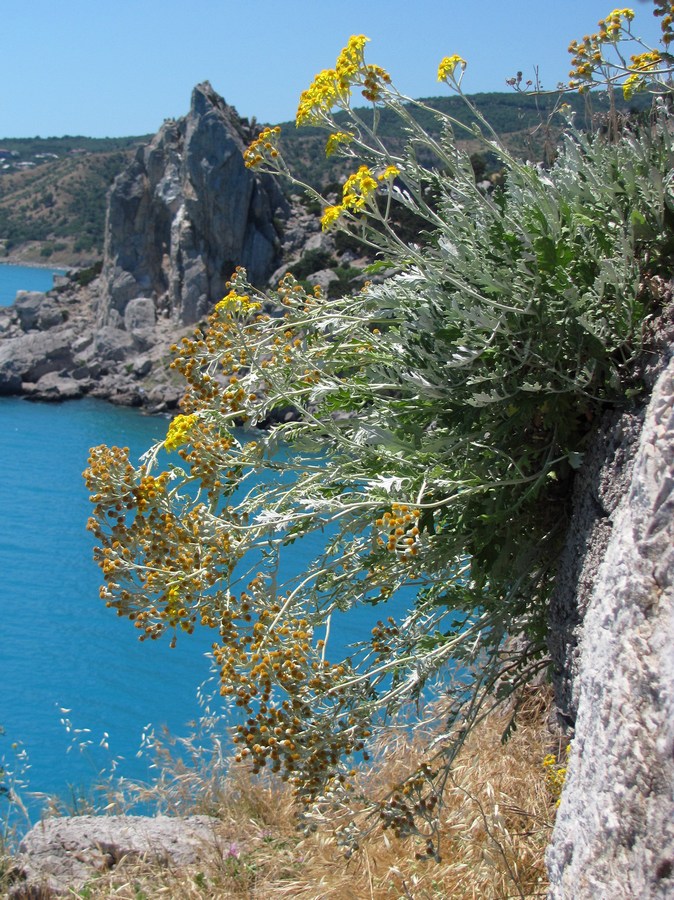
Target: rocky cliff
{"type": "Point", "coordinates": [185, 213]}
{"type": "Point", "coordinates": [612, 628]}
{"type": "Point", "coordinates": [180, 218]}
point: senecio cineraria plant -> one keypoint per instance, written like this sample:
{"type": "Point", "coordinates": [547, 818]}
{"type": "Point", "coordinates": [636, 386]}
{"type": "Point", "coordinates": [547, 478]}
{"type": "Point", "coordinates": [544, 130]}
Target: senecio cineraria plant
{"type": "Point", "coordinates": [438, 418]}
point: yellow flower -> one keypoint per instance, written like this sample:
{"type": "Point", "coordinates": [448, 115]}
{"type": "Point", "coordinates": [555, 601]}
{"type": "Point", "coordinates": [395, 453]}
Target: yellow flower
{"type": "Point", "coordinates": [447, 66]}
{"type": "Point", "coordinates": [325, 91]}
{"type": "Point", "coordinates": [234, 302]}
{"type": "Point", "coordinates": [610, 28]}
{"type": "Point", "coordinates": [350, 59]}
{"type": "Point", "coordinates": [264, 146]}
{"type": "Point", "coordinates": [644, 62]}
{"type": "Point", "coordinates": [390, 172]}
{"type": "Point", "coordinates": [621, 13]}
{"type": "Point", "coordinates": [632, 85]}
{"type": "Point", "coordinates": [339, 137]}
{"type": "Point", "coordinates": [178, 431]}
{"type": "Point", "coordinates": [330, 216]}
{"type": "Point", "coordinates": [358, 188]}
{"type": "Point", "coordinates": [332, 87]}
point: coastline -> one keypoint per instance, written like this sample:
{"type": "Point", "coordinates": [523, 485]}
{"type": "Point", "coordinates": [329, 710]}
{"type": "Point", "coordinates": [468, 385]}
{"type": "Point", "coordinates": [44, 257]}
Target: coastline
{"type": "Point", "coordinates": [10, 261]}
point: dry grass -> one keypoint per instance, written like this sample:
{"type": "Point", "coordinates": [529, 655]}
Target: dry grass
{"type": "Point", "coordinates": [495, 824]}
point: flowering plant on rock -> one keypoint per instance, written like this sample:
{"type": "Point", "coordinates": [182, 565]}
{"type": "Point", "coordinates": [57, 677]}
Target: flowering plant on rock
{"type": "Point", "coordinates": [420, 437]}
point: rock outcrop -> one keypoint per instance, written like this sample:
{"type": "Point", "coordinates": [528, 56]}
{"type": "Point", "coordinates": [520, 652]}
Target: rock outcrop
{"type": "Point", "coordinates": [186, 213]}
{"type": "Point", "coordinates": [58, 856]}
{"type": "Point", "coordinates": [180, 218]}
{"type": "Point", "coordinates": [73, 357]}
{"type": "Point", "coordinates": [614, 657]}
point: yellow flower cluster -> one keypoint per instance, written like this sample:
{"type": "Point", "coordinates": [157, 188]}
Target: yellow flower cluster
{"type": "Point", "coordinates": [588, 54]}
{"type": "Point", "coordinates": [332, 87]}
{"type": "Point", "coordinates": [263, 147]}
{"type": "Point", "coordinates": [402, 530]}
{"type": "Point", "coordinates": [642, 62]}
{"type": "Point", "coordinates": [645, 62]}
{"type": "Point", "coordinates": [448, 66]}
{"type": "Point", "coordinates": [555, 773]}
{"type": "Point", "coordinates": [259, 655]}
{"type": "Point", "coordinates": [240, 303]}
{"type": "Point", "coordinates": [389, 173]}
{"type": "Point", "coordinates": [357, 188]}
{"type": "Point", "coordinates": [158, 567]}
{"type": "Point", "coordinates": [339, 137]}
{"type": "Point", "coordinates": [179, 431]}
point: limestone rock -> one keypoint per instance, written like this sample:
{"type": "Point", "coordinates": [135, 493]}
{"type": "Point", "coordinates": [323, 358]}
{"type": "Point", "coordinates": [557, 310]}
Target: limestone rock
{"type": "Point", "coordinates": [28, 358]}
{"type": "Point", "coordinates": [614, 835]}
{"type": "Point", "coordinates": [54, 387]}
{"type": "Point", "coordinates": [37, 311]}
{"type": "Point", "coordinates": [49, 315]}
{"type": "Point", "coordinates": [112, 344]}
{"type": "Point", "coordinates": [323, 278]}
{"type": "Point", "coordinates": [186, 213]}
{"type": "Point", "coordinates": [59, 856]}
{"type": "Point", "coordinates": [140, 314]}
{"type": "Point", "coordinates": [27, 306]}
{"type": "Point", "coordinates": [601, 483]}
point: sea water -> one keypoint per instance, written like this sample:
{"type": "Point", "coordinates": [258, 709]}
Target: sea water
{"type": "Point", "coordinates": [24, 278]}
{"type": "Point", "coordinates": [73, 674]}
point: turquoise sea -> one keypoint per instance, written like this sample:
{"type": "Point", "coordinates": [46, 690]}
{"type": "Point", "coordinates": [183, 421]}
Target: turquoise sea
{"type": "Point", "coordinates": [60, 648]}
{"type": "Point", "coordinates": [24, 278]}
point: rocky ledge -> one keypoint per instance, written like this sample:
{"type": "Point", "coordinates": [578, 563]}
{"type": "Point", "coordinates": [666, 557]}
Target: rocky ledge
{"type": "Point", "coordinates": [58, 856]}
{"type": "Point", "coordinates": [51, 349]}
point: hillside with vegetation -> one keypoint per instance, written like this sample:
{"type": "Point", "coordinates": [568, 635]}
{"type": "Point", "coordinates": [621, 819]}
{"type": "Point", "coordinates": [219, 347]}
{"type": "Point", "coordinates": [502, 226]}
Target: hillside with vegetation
{"type": "Point", "coordinates": [530, 126]}
{"type": "Point", "coordinates": [53, 196]}
{"type": "Point", "coordinates": [53, 190]}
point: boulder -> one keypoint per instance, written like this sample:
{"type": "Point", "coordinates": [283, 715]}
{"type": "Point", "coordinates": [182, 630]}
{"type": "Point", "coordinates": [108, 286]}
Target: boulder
{"type": "Point", "coordinates": [58, 856]}
{"type": "Point", "coordinates": [28, 358]}
{"type": "Point", "coordinates": [49, 315]}
{"type": "Point", "coordinates": [140, 314]}
{"type": "Point", "coordinates": [112, 344]}
{"type": "Point", "coordinates": [27, 306]}
{"type": "Point", "coordinates": [37, 311]}
{"type": "Point", "coordinates": [55, 387]}
{"type": "Point", "coordinates": [142, 366]}
{"type": "Point", "coordinates": [323, 278]}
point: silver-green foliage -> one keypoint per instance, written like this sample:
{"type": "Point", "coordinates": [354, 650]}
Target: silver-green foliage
{"type": "Point", "coordinates": [439, 417]}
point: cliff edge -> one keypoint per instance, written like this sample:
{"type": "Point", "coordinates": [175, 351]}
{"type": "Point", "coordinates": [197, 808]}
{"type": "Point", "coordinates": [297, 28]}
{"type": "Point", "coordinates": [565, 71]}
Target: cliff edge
{"type": "Point", "coordinates": [612, 639]}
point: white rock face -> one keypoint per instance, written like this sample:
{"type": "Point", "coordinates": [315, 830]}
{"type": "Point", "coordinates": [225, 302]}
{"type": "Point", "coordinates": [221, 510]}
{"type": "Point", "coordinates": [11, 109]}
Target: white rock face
{"type": "Point", "coordinates": [614, 836]}
{"type": "Point", "coordinates": [59, 856]}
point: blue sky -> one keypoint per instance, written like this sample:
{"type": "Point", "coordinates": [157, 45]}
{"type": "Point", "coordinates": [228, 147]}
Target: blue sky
{"type": "Point", "coordinates": [120, 68]}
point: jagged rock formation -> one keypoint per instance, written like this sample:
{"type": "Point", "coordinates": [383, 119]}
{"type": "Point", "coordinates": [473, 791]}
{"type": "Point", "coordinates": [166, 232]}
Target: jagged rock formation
{"type": "Point", "coordinates": [186, 213]}
{"type": "Point", "coordinates": [58, 856]}
{"type": "Point", "coordinates": [613, 627]}
{"type": "Point", "coordinates": [180, 218]}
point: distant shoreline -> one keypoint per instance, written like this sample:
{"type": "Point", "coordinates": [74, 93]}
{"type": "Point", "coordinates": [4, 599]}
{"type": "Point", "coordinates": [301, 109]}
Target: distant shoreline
{"type": "Point", "coordinates": [34, 265]}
